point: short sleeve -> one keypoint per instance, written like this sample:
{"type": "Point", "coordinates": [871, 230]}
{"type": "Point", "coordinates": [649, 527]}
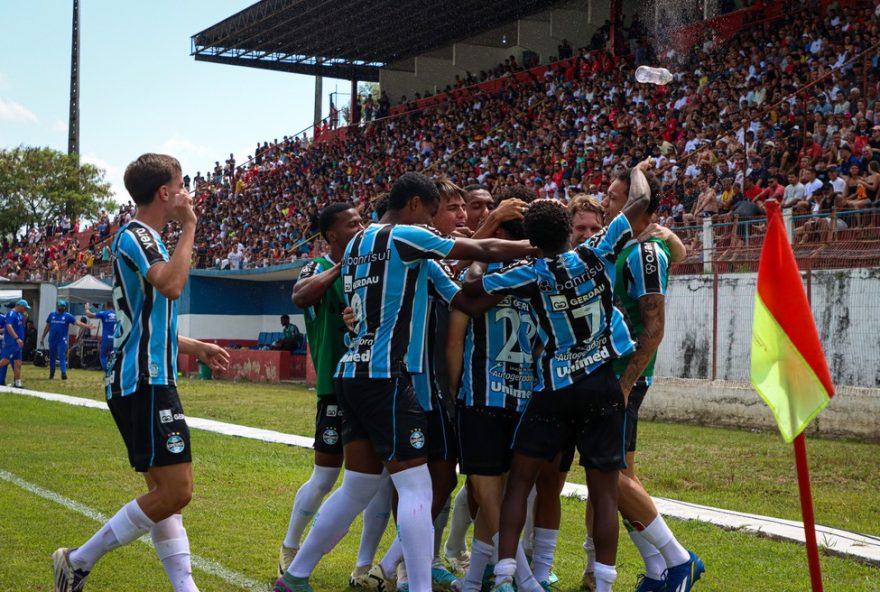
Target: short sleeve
{"type": "Point", "coordinates": [312, 268]}
{"type": "Point", "coordinates": [420, 242]}
{"type": "Point", "coordinates": [648, 266]}
{"type": "Point", "coordinates": [516, 279]}
{"type": "Point", "coordinates": [69, 318]}
{"type": "Point", "coordinates": [101, 315]}
{"type": "Point", "coordinates": [441, 277]}
{"type": "Point", "coordinates": [611, 240]}
{"type": "Point", "coordinates": [138, 245]}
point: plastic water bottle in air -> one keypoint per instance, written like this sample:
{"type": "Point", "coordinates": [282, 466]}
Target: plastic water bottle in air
{"type": "Point", "coordinates": [648, 75]}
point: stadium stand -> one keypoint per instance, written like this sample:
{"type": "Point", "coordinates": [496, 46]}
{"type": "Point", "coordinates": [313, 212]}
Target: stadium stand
{"type": "Point", "coordinates": [726, 134]}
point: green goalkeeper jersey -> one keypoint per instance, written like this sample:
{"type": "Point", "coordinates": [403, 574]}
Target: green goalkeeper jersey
{"type": "Point", "coordinates": [325, 328]}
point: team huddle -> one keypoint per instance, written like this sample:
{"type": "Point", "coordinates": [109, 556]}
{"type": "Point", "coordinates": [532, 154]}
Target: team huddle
{"type": "Point", "coordinates": [498, 335]}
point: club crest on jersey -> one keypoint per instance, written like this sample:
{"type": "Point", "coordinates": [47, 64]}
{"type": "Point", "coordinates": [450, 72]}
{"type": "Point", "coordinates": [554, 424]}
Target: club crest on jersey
{"type": "Point", "coordinates": [417, 439]}
{"type": "Point", "coordinates": [175, 443]}
{"type": "Point", "coordinates": [330, 436]}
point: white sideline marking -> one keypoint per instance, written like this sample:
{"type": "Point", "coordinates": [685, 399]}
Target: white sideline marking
{"type": "Point", "coordinates": [843, 543]}
{"type": "Point", "coordinates": [206, 565]}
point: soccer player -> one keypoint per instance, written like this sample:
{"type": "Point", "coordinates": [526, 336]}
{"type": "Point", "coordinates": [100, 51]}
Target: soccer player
{"type": "Point", "coordinates": [577, 394]}
{"type": "Point", "coordinates": [491, 358]}
{"type": "Point", "coordinates": [384, 273]}
{"type": "Point", "coordinates": [13, 342]}
{"type": "Point", "coordinates": [108, 330]}
{"type": "Point", "coordinates": [587, 217]}
{"type": "Point", "coordinates": [141, 390]}
{"type": "Point", "coordinates": [430, 388]}
{"type": "Point", "coordinates": [58, 326]}
{"type": "Point", "coordinates": [319, 292]}
{"type": "Point", "coordinates": [642, 274]}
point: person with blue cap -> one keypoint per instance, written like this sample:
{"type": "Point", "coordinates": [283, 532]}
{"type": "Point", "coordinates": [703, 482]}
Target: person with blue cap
{"type": "Point", "coordinates": [108, 329]}
{"type": "Point", "coordinates": [58, 327]}
{"type": "Point", "coordinates": [13, 342]}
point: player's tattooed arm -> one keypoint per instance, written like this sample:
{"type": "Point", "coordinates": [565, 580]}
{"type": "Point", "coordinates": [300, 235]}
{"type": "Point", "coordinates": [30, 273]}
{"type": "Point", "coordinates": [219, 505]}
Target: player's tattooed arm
{"type": "Point", "coordinates": [308, 291]}
{"type": "Point", "coordinates": [458, 324]}
{"type": "Point", "coordinates": [653, 310]}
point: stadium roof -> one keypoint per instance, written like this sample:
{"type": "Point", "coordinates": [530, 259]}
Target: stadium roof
{"type": "Point", "coordinates": [350, 39]}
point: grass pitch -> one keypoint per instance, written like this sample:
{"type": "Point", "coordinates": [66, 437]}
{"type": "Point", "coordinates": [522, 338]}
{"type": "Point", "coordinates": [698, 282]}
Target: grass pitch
{"type": "Point", "coordinates": [244, 490]}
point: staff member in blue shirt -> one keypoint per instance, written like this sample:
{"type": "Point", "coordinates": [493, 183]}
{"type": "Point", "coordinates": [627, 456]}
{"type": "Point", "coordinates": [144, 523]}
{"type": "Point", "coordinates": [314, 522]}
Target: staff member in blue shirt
{"type": "Point", "coordinates": [108, 329]}
{"type": "Point", "coordinates": [58, 326]}
{"type": "Point", "coordinates": [13, 342]}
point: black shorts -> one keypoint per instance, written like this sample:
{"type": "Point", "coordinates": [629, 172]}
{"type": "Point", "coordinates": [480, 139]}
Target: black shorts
{"type": "Point", "coordinates": [484, 438]}
{"type": "Point", "coordinates": [589, 412]}
{"type": "Point", "coordinates": [386, 412]}
{"type": "Point", "coordinates": [442, 442]}
{"type": "Point", "coordinates": [153, 427]}
{"type": "Point", "coordinates": [328, 426]}
{"type": "Point", "coordinates": [636, 396]}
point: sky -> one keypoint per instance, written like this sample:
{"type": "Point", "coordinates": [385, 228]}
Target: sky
{"type": "Point", "coordinates": [140, 89]}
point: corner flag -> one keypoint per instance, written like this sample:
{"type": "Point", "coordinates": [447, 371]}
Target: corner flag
{"type": "Point", "coordinates": [789, 370]}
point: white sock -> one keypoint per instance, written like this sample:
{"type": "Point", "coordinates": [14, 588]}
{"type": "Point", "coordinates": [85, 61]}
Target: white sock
{"type": "Point", "coordinates": [481, 554]}
{"type": "Point", "coordinates": [605, 576]}
{"type": "Point", "coordinates": [172, 547]}
{"type": "Point", "coordinates": [590, 548]}
{"type": "Point", "coordinates": [659, 535]}
{"type": "Point", "coordinates": [439, 526]}
{"type": "Point", "coordinates": [307, 501]}
{"type": "Point", "coordinates": [393, 557]}
{"type": "Point", "coordinates": [333, 520]}
{"type": "Point", "coordinates": [528, 533]}
{"type": "Point", "coordinates": [461, 521]}
{"type": "Point", "coordinates": [415, 525]}
{"type": "Point", "coordinates": [375, 522]}
{"type": "Point", "coordinates": [525, 579]}
{"type": "Point", "coordinates": [129, 524]}
{"type": "Point", "coordinates": [655, 565]}
{"type": "Point", "coordinates": [544, 550]}
{"type": "Point", "coordinates": [505, 568]}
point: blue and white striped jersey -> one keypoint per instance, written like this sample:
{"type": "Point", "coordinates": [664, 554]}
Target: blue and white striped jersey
{"type": "Point", "coordinates": [385, 279]}
{"type": "Point", "coordinates": [572, 297]}
{"type": "Point", "coordinates": [441, 290]}
{"type": "Point", "coordinates": [499, 369]}
{"type": "Point", "coordinates": [145, 343]}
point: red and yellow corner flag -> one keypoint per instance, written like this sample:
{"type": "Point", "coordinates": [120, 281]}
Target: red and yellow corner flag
{"type": "Point", "coordinates": [789, 370]}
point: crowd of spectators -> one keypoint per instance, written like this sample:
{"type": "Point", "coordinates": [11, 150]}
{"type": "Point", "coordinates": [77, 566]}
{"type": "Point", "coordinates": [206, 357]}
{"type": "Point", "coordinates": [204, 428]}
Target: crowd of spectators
{"type": "Point", "coordinates": [778, 111]}
{"type": "Point", "coordinates": [61, 250]}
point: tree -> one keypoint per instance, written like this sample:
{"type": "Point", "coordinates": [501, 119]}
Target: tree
{"type": "Point", "coordinates": [369, 88]}
{"type": "Point", "coordinates": [39, 185]}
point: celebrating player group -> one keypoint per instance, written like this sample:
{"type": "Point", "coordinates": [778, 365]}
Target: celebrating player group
{"type": "Point", "coordinates": [497, 335]}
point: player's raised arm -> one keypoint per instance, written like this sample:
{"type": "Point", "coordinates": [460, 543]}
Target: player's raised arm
{"type": "Point", "coordinates": [643, 199]}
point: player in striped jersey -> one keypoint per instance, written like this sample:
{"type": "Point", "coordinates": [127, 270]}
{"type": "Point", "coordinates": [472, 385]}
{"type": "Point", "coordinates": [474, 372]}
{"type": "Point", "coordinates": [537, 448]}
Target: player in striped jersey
{"type": "Point", "coordinates": [577, 394]}
{"type": "Point", "coordinates": [385, 278]}
{"type": "Point", "coordinates": [319, 292]}
{"type": "Point", "coordinates": [491, 357]}
{"type": "Point", "coordinates": [141, 389]}
{"type": "Point", "coordinates": [642, 274]}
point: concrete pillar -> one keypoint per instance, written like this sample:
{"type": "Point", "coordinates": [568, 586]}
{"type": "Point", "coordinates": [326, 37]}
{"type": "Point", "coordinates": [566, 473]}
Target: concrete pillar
{"type": "Point", "coordinates": [708, 245]}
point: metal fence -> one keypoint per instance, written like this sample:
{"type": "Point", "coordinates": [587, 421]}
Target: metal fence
{"type": "Point", "coordinates": [710, 303]}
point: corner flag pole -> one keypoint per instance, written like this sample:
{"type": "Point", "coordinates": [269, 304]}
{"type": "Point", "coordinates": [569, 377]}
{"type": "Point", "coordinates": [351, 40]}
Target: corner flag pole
{"type": "Point", "coordinates": [803, 476]}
